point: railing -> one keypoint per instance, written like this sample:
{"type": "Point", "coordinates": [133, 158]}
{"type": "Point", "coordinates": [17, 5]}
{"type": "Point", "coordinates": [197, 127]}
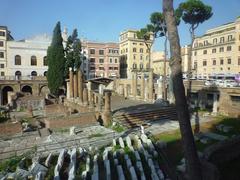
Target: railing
{"type": "Point", "coordinates": [19, 78]}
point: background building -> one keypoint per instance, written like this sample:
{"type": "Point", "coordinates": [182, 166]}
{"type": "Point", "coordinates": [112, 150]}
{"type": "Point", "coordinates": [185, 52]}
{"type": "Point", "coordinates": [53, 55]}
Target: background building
{"type": "Point", "coordinates": [102, 59]}
{"type": "Point", "coordinates": [28, 57]}
{"type": "Point", "coordinates": [134, 53]}
{"type": "Point", "coordinates": [216, 54]}
{"type": "Point", "coordinates": [157, 59]}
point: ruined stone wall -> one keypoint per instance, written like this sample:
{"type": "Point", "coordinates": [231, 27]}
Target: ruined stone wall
{"type": "Point", "coordinates": [10, 128]}
{"type": "Point", "coordinates": [80, 121]}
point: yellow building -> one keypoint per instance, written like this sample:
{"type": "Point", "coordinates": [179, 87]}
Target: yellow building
{"type": "Point", "coordinates": [157, 59]}
{"type": "Point", "coordinates": [216, 54]}
{"type": "Point", "coordinates": [134, 53]}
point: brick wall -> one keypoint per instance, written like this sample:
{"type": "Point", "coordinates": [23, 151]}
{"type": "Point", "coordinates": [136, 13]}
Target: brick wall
{"type": "Point", "coordinates": [10, 128]}
{"type": "Point", "coordinates": [80, 120]}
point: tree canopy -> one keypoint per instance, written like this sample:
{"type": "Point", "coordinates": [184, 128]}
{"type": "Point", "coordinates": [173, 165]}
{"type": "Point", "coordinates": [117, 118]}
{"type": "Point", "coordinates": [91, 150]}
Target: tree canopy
{"type": "Point", "coordinates": [73, 52]}
{"type": "Point", "coordinates": [194, 12]}
{"type": "Point", "coordinates": [56, 61]}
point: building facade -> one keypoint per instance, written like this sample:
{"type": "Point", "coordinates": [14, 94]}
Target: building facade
{"type": "Point", "coordinates": [134, 53]}
{"type": "Point", "coordinates": [102, 59]}
{"type": "Point", "coordinates": [27, 58]}
{"type": "Point", "coordinates": [216, 54]}
{"type": "Point", "coordinates": [157, 61]}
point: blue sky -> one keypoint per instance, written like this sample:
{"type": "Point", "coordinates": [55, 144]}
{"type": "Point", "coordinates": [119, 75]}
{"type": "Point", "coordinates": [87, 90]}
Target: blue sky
{"type": "Point", "coordinates": [100, 20]}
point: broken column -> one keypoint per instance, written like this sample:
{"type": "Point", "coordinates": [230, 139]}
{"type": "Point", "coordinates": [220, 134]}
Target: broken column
{"type": "Point", "coordinates": [85, 97]}
{"type": "Point", "coordinates": [150, 81]}
{"type": "Point", "coordinates": [80, 86]}
{"type": "Point", "coordinates": [75, 85]}
{"type": "Point", "coordinates": [142, 86]}
{"type": "Point", "coordinates": [134, 84]}
{"type": "Point", "coordinates": [91, 103]}
{"type": "Point", "coordinates": [215, 103]}
{"type": "Point", "coordinates": [70, 82]}
{"type": "Point", "coordinates": [107, 109]}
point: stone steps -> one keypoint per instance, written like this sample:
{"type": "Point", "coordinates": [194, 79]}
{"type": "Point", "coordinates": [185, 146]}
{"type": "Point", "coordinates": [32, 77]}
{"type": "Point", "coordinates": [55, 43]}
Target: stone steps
{"type": "Point", "coordinates": [135, 119]}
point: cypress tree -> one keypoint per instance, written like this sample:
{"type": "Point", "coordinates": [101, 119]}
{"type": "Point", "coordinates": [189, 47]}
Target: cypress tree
{"type": "Point", "coordinates": [56, 61]}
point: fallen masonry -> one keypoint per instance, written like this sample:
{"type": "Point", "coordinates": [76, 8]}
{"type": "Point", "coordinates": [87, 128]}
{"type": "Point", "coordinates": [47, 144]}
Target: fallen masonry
{"type": "Point", "coordinates": [131, 157]}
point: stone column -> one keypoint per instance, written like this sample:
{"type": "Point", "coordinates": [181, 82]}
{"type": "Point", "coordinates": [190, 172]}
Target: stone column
{"type": "Point", "coordinates": [68, 90]}
{"type": "Point", "coordinates": [85, 97]}
{"type": "Point", "coordinates": [150, 81]}
{"type": "Point", "coordinates": [80, 86]}
{"type": "Point", "coordinates": [134, 84]}
{"type": "Point", "coordinates": [99, 103]}
{"type": "Point", "coordinates": [107, 117]}
{"type": "Point", "coordinates": [160, 89]}
{"type": "Point", "coordinates": [215, 103]}
{"type": "Point", "coordinates": [125, 91]}
{"type": "Point", "coordinates": [91, 105]}
{"type": "Point", "coordinates": [70, 83]}
{"type": "Point", "coordinates": [75, 86]}
{"type": "Point", "coordinates": [142, 86]}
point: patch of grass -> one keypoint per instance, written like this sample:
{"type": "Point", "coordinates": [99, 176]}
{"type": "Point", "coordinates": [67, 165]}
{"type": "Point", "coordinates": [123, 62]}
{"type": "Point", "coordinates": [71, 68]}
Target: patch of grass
{"type": "Point", "coordinates": [62, 130]}
{"type": "Point", "coordinates": [11, 164]}
{"type": "Point", "coordinates": [118, 128]}
{"type": "Point", "coordinates": [95, 135]}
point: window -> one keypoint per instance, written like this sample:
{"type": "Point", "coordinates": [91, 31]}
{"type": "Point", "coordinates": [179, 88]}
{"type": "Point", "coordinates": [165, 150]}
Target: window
{"type": "Point", "coordinates": [116, 61]}
{"type": "Point", "coordinates": [204, 63]}
{"type": "Point", "coordinates": [134, 66]}
{"type": "Point", "coordinates": [141, 57]}
{"type": "Point", "coordinates": [33, 73]}
{"type": "Point", "coordinates": [134, 50]}
{"type": "Point", "coordinates": [1, 54]}
{"type": "Point", "coordinates": [92, 60]}
{"type": "Point", "coordinates": [238, 48]}
{"type": "Point", "coordinates": [101, 52]}
{"type": "Point", "coordinates": [1, 43]}
{"type": "Point", "coordinates": [215, 41]}
{"type": "Point", "coordinates": [45, 63]}
{"type": "Point", "coordinates": [110, 60]}
{"type": "Point", "coordinates": [134, 56]}
{"type": "Point", "coordinates": [221, 62]}
{"type": "Point", "coordinates": [195, 53]}
{"type": "Point", "coordinates": [2, 33]}
{"type": "Point", "coordinates": [126, 50]}
{"type": "Point", "coordinates": [229, 48]}
{"type": "Point", "coordinates": [45, 73]}
{"type": "Point", "coordinates": [115, 68]}
{"type": "Point", "coordinates": [18, 73]}
{"type": "Point", "coordinates": [92, 68]}
{"type": "Point", "coordinates": [110, 68]}
{"type": "Point", "coordinates": [205, 43]}
{"type": "Point", "coordinates": [101, 60]}
{"type": "Point", "coordinates": [214, 50]}
{"type": "Point", "coordinates": [2, 74]}
{"type": "Point", "coordinates": [221, 49]}
{"type": "Point", "coordinates": [229, 68]}
{"type": "Point", "coordinates": [230, 37]}
{"type": "Point", "coordinates": [1, 65]}
{"type": "Point", "coordinates": [222, 40]}
{"type": "Point", "coordinates": [229, 61]}
{"type": "Point", "coordinates": [141, 50]}
{"type": "Point", "coordinates": [92, 51]}
{"type": "Point", "coordinates": [204, 51]}
{"type": "Point", "coordinates": [17, 60]}
{"type": "Point", "coordinates": [239, 61]}
{"type": "Point", "coordinates": [214, 61]}
{"type": "Point", "coordinates": [101, 68]}
{"type": "Point", "coordinates": [33, 61]}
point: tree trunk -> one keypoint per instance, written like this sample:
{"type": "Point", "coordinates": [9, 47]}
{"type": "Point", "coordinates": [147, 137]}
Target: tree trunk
{"type": "Point", "coordinates": [190, 152]}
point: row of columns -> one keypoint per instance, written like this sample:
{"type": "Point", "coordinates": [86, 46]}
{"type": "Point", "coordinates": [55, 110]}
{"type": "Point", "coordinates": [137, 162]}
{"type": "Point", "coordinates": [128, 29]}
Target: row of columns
{"type": "Point", "coordinates": [142, 86]}
{"type": "Point", "coordinates": [87, 97]}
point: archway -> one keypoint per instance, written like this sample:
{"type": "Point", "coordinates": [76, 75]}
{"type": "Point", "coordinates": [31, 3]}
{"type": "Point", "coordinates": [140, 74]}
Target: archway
{"type": "Point", "coordinates": [27, 89]}
{"type": "Point", "coordinates": [45, 73]}
{"type": "Point", "coordinates": [5, 96]}
{"type": "Point", "coordinates": [44, 90]}
{"type": "Point", "coordinates": [33, 73]}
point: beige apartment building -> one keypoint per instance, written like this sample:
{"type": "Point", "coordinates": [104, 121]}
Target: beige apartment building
{"type": "Point", "coordinates": [216, 54]}
{"type": "Point", "coordinates": [134, 53]}
{"type": "Point", "coordinates": [103, 59]}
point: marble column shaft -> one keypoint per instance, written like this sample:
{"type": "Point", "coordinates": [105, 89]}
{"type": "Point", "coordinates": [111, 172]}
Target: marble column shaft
{"type": "Point", "coordinates": [75, 86]}
{"type": "Point", "coordinates": [70, 83]}
{"type": "Point", "coordinates": [142, 86]}
{"type": "Point", "coordinates": [150, 85]}
{"type": "Point", "coordinates": [85, 96]}
{"type": "Point", "coordinates": [80, 85]}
